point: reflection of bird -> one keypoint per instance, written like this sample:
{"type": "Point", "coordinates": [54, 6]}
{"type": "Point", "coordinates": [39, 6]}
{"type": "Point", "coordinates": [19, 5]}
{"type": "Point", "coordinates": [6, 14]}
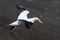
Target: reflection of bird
{"type": "Point", "coordinates": [22, 18]}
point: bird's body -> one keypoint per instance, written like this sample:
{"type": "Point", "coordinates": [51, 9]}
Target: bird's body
{"type": "Point", "coordinates": [22, 16]}
{"type": "Point", "coordinates": [22, 19]}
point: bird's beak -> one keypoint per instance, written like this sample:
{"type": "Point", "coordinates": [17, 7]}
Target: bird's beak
{"type": "Point", "coordinates": [40, 22]}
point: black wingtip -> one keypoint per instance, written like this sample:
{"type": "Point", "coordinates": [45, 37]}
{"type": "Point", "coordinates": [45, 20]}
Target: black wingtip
{"type": "Point", "coordinates": [19, 7]}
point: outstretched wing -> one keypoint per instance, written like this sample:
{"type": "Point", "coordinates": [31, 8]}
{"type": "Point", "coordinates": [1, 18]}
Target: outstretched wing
{"type": "Point", "coordinates": [23, 15]}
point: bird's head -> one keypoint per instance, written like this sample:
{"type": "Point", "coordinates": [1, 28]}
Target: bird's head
{"type": "Point", "coordinates": [37, 19]}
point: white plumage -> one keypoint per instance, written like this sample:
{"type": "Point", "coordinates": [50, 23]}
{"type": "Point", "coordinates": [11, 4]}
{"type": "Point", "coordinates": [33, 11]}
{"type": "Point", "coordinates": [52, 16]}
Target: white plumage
{"type": "Point", "coordinates": [23, 16]}
{"type": "Point", "coordinates": [15, 23]}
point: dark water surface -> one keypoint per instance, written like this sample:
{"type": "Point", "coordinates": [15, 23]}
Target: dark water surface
{"type": "Point", "coordinates": [47, 10]}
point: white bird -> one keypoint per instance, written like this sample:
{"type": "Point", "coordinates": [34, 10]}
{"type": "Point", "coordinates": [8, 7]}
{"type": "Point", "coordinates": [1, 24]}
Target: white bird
{"type": "Point", "coordinates": [23, 17]}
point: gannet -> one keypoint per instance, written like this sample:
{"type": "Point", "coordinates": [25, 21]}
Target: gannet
{"type": "Point", "coordinates": [22, 17]}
